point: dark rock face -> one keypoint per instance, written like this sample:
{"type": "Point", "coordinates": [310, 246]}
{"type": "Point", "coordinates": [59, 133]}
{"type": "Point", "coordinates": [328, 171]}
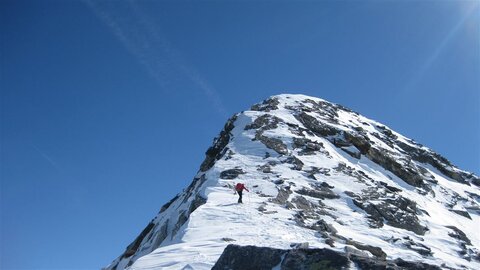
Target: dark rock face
{"type": "Point", "coordinates": [326, 109]}
{"type": "Point", "coordinates": [414, 265]}
{"type": "Point", "coordinates": [439, 162]}
{"type": "Point", "coordinates": [360, 141]}
{"type": "Point", "coordinates": [316, 126]}
{"type": "Point", "coordinates": [459, 234]}
{"type": "Point", "coordinates": [165, 206]}
{"type": "Point", "coordinates": [236, 257]}
{"type": "Point", "coordinates": [407, 172]}
{"type": "Point", "coordinates": [267, 122]}
{"type": "Point", "coordinates": [319, 192]}
{"type": "Point", "coordinates": [267, 105]}
{"type": "Point", "coordinates": [464, 242]}
{"type": "Point", "coordinates": [264, 122]}
{"type": "Point", "coordinates": [231, 174]}
{"type": "Point", "coordinates": [182, 218]}
{"type": "Point", "coordinates": [248, 258]}
{"type": "Point", "coordinates": [347, 170]}
{"type": "Point", "coordinates": [216, 151]}
{"type": "Point", "coordinates": [184, 215]}
{"type": "Point", "coordinates": [273, 143]}
{"type": "Point", "coordinates": [133, 247]}
{"type": "Point", "coordinates": [393, 208]}
{"type": "Point", "coordinates": [306, 259]}
{"type": "Point", "coordinates": [476, 181]}
{"type": "Point", "coordinates": [390, 188]}
{"type": "Point", "coordinates": [416, 246]}
{"type": "Point", "coordinates": [197, 202]}
{"type": "Point", "coordinates": [160, 235]}
{"type": "Point", "coordinates": [308, 147]}
{"type": "Point", "coordinates": [196, 183]}
{"type": "Point", "coordinates": [461, 213]}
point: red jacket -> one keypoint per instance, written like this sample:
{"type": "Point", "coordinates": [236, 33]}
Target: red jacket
{"type": "Point", "coordinates": [240, 187]}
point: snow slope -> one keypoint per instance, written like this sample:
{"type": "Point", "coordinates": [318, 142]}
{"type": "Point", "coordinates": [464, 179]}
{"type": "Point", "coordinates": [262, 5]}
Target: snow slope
{"type": "Point", "coordinates": [322, 174]}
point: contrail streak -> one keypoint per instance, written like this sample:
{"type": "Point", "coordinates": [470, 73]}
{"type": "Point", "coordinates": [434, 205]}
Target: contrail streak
{"type": "Point", "coordinates": [145, 41]}
{"type": "Point", "coordinates": [51, 161]}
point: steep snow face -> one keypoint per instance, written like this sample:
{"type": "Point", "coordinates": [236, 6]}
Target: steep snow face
{"type": "Point", "coordinates": [318, 173]}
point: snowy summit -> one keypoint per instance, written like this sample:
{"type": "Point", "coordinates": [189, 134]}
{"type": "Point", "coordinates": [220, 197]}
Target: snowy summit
{"type": "Point", "coordinates": [328, 189]}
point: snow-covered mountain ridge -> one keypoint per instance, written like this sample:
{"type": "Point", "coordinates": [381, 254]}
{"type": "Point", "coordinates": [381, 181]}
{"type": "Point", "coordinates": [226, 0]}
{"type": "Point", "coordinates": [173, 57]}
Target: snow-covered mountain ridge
{"type": "Point", "coordinates": [320, 174]}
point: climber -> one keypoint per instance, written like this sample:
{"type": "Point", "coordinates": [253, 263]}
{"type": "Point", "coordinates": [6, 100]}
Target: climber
{"type": "Point", "coordinates": [239, 187]}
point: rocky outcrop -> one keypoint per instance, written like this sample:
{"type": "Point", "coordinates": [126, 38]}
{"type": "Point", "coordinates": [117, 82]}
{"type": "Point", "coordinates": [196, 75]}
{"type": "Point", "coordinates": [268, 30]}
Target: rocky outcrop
{"type": "Point", "coordinates": [273, 143]}
{"type": "Point", "coordinates": [160, 235]}
{"type": "Point", "coordinates": [466, 250]}
{"type": "Point", "coordinates": [264, 122]}
{"type": "Point", "coordinates": [216, 151]}
{"type": "Point", "coordinates": [236, 257]}
{"type": "Point", "coordinates": [231, 174]}
{"type": "Point", "coordinates": [267, 105]}
{"type": "Point", "coordinates": [267, 122]}
{"type": "Point", "coordinates": [165, 206]}
{"type": "Point", "coordinates": [314, 125]}
{"type": "Point", "coordinates": [418, 153]}
{"type": "Point", "coordinates": [133, 247]}
{"type": "Point", "coordinates": [408, 172]}
{"type": "Point", "coordinates": [359, 140]}
{"type": "Point", "coordinates": [389, 207]}
{"type": "Point", "coordinates": [308, 147]}
{"type": "Point", "coordinates": [319, 192]}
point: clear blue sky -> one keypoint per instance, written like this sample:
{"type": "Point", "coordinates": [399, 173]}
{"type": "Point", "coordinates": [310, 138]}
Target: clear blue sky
{"type": "Point", "coordinates": [107, 109]}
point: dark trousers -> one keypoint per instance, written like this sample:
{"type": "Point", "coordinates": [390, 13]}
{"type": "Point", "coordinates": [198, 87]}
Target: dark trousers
{"type": "Point", "coordinates": [240, 194]}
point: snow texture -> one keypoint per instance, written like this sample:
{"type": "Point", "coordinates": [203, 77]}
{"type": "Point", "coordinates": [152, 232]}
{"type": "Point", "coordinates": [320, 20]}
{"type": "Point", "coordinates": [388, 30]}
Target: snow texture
{"type": "Point", "coordinates": [193, 231]}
